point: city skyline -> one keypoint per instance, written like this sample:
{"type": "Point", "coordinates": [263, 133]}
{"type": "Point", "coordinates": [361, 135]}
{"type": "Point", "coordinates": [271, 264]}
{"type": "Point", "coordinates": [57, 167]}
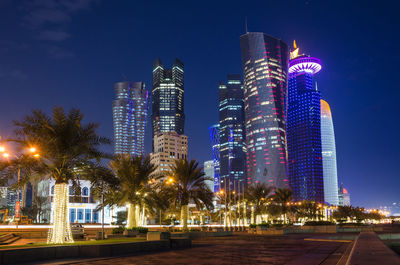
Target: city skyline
{"type": "Point", "coordinates": [89, 61]}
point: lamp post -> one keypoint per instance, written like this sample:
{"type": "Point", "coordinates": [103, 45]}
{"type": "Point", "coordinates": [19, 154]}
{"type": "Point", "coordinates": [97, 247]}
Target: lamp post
{"type": "Point", "coordinates": [31, 150]}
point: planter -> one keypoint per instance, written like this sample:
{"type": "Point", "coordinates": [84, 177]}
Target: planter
{"type": "Point", "coordinates": [128, 233]}
{"type": "Point", "coordinates": [158, 235]}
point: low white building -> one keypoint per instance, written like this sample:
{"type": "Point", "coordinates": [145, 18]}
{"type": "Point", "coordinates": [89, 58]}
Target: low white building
{"type": "Point", "coordinates": [82, 209]}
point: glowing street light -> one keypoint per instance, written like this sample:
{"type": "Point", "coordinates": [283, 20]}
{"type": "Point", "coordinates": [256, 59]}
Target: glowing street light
{"type": "Point", "coordinates": [7, 155]}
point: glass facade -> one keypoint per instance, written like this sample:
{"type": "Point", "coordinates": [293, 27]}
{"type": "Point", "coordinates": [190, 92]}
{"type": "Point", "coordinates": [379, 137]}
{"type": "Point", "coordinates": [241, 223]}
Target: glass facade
{"type": "Point", "coordinates": [129, 117]}
{"type": "Point", "coordinates": [232, 149]}
{"type": "Point", "coordinates": [214, 137]}
{"type": "Point", "coordinates": [168, 98]}
{"type": "Point", "coordinates": [265, 67]}
{"type": "Point", "coordinates": [304, 130]}
{"type": "Point", "coordinates": [329, 155]}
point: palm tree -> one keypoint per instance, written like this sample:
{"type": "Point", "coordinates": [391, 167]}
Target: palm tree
{"type": "Point", "coordinates": [308, 210]}
{"type": "Point", "coordinates": [283, 197]}
{"type": "Point", "coordinates": [134, 174]}
{"type": "Point", "coordinates": [67, 147]}
{"type": "Point", "coordinates": [258, 195]}
{"type": "Point", "coordinates": [188, 184]}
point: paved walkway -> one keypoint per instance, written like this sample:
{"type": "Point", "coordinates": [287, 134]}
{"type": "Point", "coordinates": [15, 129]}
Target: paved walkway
{"type": "Point", "coordinates": [239, 249]}
{"type": "Point", "coordinates": [370, 250]}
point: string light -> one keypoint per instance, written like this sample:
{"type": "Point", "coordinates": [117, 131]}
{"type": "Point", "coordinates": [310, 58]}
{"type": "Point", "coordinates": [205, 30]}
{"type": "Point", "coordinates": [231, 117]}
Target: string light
{"type": "Point", "coordinates": [60, 233]}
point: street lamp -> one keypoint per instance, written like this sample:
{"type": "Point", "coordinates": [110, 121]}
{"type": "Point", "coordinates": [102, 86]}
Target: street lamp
{"type": "Point", "coordinates": [18, 203]}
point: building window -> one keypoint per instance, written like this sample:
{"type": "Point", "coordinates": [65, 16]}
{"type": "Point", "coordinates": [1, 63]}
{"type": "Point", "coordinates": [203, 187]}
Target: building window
{"type": "Point", "coordinates": [87, 215]}
{"type": "Point", "coordinates": [95, 217]}
{"type": "Point", "coordinates": [72, 215]}
{"type": "Point", "coordinates": [85, 191]}
{"type": "Point", "coordinates": [80, 215]}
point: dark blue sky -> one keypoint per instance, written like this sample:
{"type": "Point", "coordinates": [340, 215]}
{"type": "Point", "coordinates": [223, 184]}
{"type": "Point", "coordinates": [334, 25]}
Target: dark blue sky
{"type": "Point", "coordinates": [70, 53]}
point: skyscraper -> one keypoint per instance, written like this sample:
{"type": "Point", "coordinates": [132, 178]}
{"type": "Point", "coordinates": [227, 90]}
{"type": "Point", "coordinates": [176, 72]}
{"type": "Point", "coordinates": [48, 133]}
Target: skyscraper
{"type": "Point", "coordinates": [304, 129]}
{"type": "Point", "coordinates": [129, 116]}
{"type": "Point", "coordinates": [232, 133]}
{"type": "Point", "coordinates": [168, 98]}
{"type": "Point", "coordinates": [265, 61]}
{"type": "Point", "coordinates": [214, 137]}
{"type": "Point", "coordinates": [344, 196]}
{"type": "Point", "coordinates": [209, 172]}
{"type": "Point", "coordinates": [168, 147]}
{"type": "Point", "coordinates": [328, 155]}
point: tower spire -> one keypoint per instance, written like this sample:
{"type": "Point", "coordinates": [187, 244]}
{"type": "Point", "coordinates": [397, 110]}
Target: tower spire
{"type": "Point", "coordinates": [247, 31]}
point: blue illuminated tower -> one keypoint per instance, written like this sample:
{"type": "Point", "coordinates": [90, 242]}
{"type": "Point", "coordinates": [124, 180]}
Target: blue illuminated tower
{"type": "Point", "coordinates": [214, 137]}
{"type": "Point", "coordinates": [129, 117]}
{"type": "Point", "coordinates": [232, 134]}
{"type": "Point", "coordinates": [304, 129]}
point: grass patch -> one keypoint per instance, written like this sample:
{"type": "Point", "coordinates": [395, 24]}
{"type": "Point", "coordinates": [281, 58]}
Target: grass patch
{"type": "Point", "coordinates": [76, 243]}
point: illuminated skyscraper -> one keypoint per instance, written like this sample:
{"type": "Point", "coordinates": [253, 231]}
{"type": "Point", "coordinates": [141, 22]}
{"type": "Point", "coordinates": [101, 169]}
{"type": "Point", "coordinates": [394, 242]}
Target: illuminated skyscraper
{"type": "Point", "coordinates": [168, 147]}
{"type": "Point", "coordinates": [232, 133]}
{"type": "Point", "coordinates": [304, 129]}
{"type": "Point", "coordinates": [214, 137]}
{"type": "Point", "coordinates": [344, 196]}
{"type": "Point", "coordinates": [265, 66]}
{"type": "Point", "coordinates": [209, 171]}
{"type": "Point", "coordinates": [328, 155]}
{"type": "Point", "coordinates": [168, 98]}
{"type": "Point", "coordinates": [129, 116]}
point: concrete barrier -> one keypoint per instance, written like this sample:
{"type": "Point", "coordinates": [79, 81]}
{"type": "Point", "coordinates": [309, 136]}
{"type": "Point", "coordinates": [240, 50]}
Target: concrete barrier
{"type": "Point", "coordinates": [178, 243]}
{"type": "Point", "coordinates": [198, 234]}
{"type": "Point", "coordinates": [32, 254]}
{"type": "Point", "coordinates": [158, 235]}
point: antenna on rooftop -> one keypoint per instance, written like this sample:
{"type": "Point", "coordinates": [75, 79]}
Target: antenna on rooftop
{"type": "Point", "coordinates": [247, 31]}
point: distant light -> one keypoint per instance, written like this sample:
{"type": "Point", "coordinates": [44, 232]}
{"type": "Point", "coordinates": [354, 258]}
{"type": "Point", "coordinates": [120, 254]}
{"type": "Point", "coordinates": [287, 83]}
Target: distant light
{"type": "Point", "coordinates": [32, 149]}
{"type": "Point", "coordinates": [6, 155]}
{"type": "Point", "coordinates": [2, 149]}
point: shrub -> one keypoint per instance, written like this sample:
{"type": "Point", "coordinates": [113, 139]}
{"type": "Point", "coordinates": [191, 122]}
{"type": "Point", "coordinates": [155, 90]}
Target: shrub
{"type": "Point", "coordinates": [118, 230]}
{"type": "Point", "coordinates": [278, 225]}
{"type": "Point", "coordinates": [353, 224]}
{"type": "Point", "coordinates": [139, 229]}
{"type": "Point", "coordinates": [264, 224]}
{"type": "Point", "coordinates": [314, 223]}
{"type": "Point", "coordinates": [252, 225]}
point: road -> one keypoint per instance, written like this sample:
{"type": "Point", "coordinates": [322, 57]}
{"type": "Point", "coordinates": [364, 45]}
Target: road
{"type": "Point", "coordinates": [238, 249]}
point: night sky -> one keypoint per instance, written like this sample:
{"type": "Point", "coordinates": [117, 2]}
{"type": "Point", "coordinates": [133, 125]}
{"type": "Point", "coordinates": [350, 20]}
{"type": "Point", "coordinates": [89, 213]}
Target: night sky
{"type": "Point", "coordinates": [70, 53]}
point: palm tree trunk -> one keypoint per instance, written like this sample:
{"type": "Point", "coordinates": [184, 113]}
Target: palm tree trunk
{"type": "Point", "coordinates": [244, 214]}
{"type": "Point", "coordinates": [61, 230]}
{"type": "Point", "coordinates": [131, 219]}
{"type": "Point", "coordinates": [252, 215]}
{"type": "Point", "coordinates": [184, 216]}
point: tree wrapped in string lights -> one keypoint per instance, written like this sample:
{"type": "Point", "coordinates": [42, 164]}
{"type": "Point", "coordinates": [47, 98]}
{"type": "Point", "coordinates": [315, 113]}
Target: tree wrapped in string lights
{"type": "Point", "coordinates": [67, 150]}
{"type": "Point", "coordinates": [187, 184]}
{"type": "Point", "coordinates": [135, 187]}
